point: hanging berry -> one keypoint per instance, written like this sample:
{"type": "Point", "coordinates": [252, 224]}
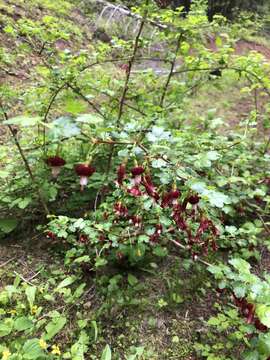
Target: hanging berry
{"type": "Point", "coordinates": [193, 199]}
{"type": "Point", "coordinates": [84, 171]}
{"type": "Point", "coordinates": [55, 162]}
{"type": "Point", "coordinates": [137, 172]}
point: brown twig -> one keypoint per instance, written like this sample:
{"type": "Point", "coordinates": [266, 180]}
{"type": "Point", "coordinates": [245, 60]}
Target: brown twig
{"type": "Point", "coordinates": [248, 72]}
{"type": "Point", "coordinates": [26, 164]}
{"type": "Point", "coordinates": [22, 278]}
{"type": "Point", "coordinates": [130, 65]}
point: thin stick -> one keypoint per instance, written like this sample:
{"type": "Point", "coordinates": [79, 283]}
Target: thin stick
{"type": "Point", "coordinates": [23, 279]}
{"type": "Point", "coordinates": [86, 67]}
{"type": "Point", "coordinates": [184, 248]}
{"type": "Point", "coordinates": [34, 276]}
{"type": "Point", "coordinates": [7, 262]}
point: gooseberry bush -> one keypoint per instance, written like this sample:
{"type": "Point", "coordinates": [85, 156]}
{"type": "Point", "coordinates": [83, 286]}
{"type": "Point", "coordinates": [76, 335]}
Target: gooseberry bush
{"type": "Point", "coordinates": [106, 159]}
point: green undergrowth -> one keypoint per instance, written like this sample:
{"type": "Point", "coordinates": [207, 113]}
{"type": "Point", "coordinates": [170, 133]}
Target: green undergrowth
{"type": "Point", "coordinates": [151, 311]}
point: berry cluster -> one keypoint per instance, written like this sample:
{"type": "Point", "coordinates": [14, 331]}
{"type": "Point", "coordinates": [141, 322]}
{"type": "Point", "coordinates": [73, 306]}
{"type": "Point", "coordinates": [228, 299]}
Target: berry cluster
{"type": "Point", "coordinates": [185, 211]}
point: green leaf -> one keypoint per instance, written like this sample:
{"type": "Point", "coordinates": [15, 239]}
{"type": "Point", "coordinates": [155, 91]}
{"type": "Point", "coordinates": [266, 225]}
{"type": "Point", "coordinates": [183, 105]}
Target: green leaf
{"type": "Point", "coordinates": [106, 354]}
{"type": "Point", "coordinates": [49, 297]}
{"type": "Point", "coordinates": [24, 202]}
{"type": "Point", "coordinates": [63, 127]}
{"type": "Point", "coordinates": [3, 174]}
{"type": "Point", "coordinates": [22, 323]}
{"type": "Point", "coordinates": [240, 264]}
{"type": "Point", "coordinates": [79, 291]}
{"type": "Point", "coordinates": [4, 297]}
{"type": "Point", "coordinates": [251, 355]}
{"type": "Point", "coordinates": [94, 326]}
{"type": "Point", "coordinates": [8, 225]}
{"type": "Point", "coordinates": [216, 198]}
{"type": "Point", "coordinates": [239, 291]}
{"type": "Point", "coordinates": [159, 163]}
{"type": "Point", "coordinates": [55, 326]}
{"type": "Point", "coordinates": [132, 280]}
{"type": "Point", "coordinates": [66, 282]}
{"type": "Point", "coordinates": [212, 155]}
{"type": "Point", "coordinates": [263, 313]}
{"type": "Point", "coordinates": [23, 121]}
{"type": "Point", "coordinates": [218, 41]}
{"type": "Point", "coordinates": [6, 327]}
{"type": "Point", "coordinates": [81, 259]}
{"type": "Point", "coordinates": [160, 251]}
{"type": "Point", "coordinates": [138, 353]}
{"type": "Point", "coordinates": [100, 262]}
{"type": "Point", "coordinates": [74, 106]}
{"type": "Point", "coordinates": [158, 134]}
{"type": "Point", "coordinates": [32, 349]}
{"type": "Point", "coordinates": [91, 119]}
{"type": "Point", "coordinates": [80, 347]}
{"type": "Point", "coordinates": [264, 345]}
{"type": "Point", "coordinates": [30, 292]}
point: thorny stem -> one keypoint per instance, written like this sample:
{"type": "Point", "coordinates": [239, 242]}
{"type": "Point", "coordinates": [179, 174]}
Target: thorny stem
{"type": "Point", "coordinates": [166, 86]}
{"type": "Point", "coordinates": [125, 90]}
{"type": "Point", "coordinates": [78, 92]}
{"type": "Point", "coordinates": [130, 64]}
{"type": "Point", "coordinates": [26, 164]}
